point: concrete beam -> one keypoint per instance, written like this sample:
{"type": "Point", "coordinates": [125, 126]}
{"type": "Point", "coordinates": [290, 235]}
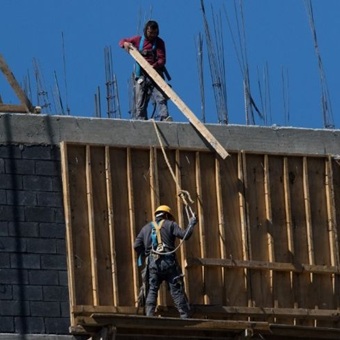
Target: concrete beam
{"type": "Point", "coordinates": [51, 129]}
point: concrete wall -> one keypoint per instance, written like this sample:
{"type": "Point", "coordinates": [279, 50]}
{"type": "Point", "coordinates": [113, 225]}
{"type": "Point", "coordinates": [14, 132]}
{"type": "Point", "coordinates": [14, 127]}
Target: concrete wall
{"type": "Point", "coordinates": [33, 275]}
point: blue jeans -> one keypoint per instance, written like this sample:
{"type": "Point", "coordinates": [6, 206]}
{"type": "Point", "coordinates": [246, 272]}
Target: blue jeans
{"type": "Point", "coordinates": [166, 268]}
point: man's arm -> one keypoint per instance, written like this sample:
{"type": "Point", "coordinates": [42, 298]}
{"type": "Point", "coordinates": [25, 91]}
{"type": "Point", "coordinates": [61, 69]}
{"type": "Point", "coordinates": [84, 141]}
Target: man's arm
{"type": "Point", "coordinates": [126, 42]}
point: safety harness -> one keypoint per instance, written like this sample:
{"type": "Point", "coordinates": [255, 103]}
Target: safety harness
{"type": "Point", "coordinates": [156, 238]}
{"type": "Point", "coordinates": [138, 72]}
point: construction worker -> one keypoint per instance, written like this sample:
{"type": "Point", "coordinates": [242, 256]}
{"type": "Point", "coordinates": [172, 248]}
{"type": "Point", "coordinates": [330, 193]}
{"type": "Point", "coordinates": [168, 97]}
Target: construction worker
{"type": "Point", "coordinates": [156, 241]}
{"type": "Point", "coordinates": [152, 47]}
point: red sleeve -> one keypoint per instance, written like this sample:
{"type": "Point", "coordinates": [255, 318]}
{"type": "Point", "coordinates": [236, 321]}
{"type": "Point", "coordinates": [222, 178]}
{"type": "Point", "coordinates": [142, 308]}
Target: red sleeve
{"type": "Point", "coordinates": [135, 40]}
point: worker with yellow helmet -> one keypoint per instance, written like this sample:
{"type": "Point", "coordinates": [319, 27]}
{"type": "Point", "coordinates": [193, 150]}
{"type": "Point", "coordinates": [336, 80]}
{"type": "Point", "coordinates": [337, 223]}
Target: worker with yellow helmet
{"type": "Point", "coordinates": [156, 242]}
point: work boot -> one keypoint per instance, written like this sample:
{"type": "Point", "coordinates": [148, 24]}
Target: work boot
{"type": "Point", "coordinates": [168, 119]}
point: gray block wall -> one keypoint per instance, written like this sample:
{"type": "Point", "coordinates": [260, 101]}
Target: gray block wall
{"type": "Point", "coordinates": [33, 273]}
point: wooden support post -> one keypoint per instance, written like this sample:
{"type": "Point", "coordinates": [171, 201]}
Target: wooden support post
{"type": "Point", "coordinates": [92, 232]}
{"type": "Point", "coordinates": [132, 224]}
{"type": "Point", "coordinates": [109, 196]}
{"type": "Point", "coordinates": [178, 102]}
{"type": "Point", "coordinates": [68, 224]}
{"type": "Point", "coordinates": [26, 104]}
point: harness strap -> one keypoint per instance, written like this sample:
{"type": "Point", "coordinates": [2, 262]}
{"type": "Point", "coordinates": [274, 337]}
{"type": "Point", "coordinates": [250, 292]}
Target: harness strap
{"type": "Point", "coordinates": [140, 49]}
{"type": "Point", "coordinates": [157, 228]}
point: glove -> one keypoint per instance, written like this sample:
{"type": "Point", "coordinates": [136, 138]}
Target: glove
{"type": "Point", "coordinates": [193, 221]}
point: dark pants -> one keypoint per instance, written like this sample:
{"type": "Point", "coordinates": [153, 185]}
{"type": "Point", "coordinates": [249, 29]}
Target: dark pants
{"type": "Point", "coordinates": [166, 268]}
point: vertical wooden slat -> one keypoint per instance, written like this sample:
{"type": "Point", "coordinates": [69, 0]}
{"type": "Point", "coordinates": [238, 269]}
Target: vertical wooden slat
{"type": "Point", "coordinates": [154, 179]}
{"type": "Point", "coordinates": [132, 224]}
{"type": "Point", "coordinates": [180, 209]}
{"type": "Point", "coordinates": [269, 227]}
{"type": "Point", "coordinates": [221, 224]}
{"type": "Point", "coordinates": [193, 277]}
{"type": "Point", "coordinates": [332, 226]}
{"type": "Point", "coordinates": [68, 223]}
{"type": "Point", "coordinates": [331, 213]}
{"type": "Point", "coordinates": [89, 192]}
{"type": "Point", "coordinates": [246, 245]}
{"type": "Point", "coordinates": [288, 209]}
{"type": "Point", "coordinates": [289, 222]}
{"type": "Point", "coordinates": [267, 197]}
{"type": "Point", "coordinates": [109, 197]}
{"type": "Point", "coordinates": [308, 213]}
{"type": "Point", "coordinates": [201, 219]}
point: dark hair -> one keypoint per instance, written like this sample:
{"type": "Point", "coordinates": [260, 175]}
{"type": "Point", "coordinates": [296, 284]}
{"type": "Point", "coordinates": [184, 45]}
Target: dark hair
{"type": "Point", "coordinates": [153, 25]}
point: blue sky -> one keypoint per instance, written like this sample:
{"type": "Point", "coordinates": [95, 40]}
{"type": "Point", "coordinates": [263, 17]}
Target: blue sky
{"type": "Point", "coordinates": [280, 52]}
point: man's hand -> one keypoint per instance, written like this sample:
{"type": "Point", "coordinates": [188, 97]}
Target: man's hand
{"type": "Point", "coordinates": [193, 221]}
{"type": "Point", "coordinates": [127, 46]}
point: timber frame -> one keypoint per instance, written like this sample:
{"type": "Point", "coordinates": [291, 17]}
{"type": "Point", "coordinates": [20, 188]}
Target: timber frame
{"type": "Point", "coordinates": [264, 256]}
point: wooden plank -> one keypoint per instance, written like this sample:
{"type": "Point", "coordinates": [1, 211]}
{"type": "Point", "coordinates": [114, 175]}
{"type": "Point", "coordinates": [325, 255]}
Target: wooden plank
{"type": "Point", "coordinates": [221, 224]}
{"type": "Point", "coordinates": [255, 195]}
{"type": "Point", "coordinates": [301, 282]}
{"type": "Point", "coordinates": [331, 213]}
{"type": "Point", "coordinates": [154, 179]}
{"type": "Point", "coordinates": [121, 222]}
{"type": "Point", "coordinates": [15, 86]}
{"type": "Point", "coordinates": [335, 165]}
{"type": "Point", "coordinates": [282, 283]}
{"type": "Point", "coordinates": [132, 233]}
{"type": "Point", "coordinates": [110, 212]}
{"type": "Point", "coordinates": [269, 228]}
{"type": "Point", "coordinates": [182, 219]}
{"type": "Point", "coordinates": [12, 108]}
{"type": "Point", "coordinates": [246, 242]}
{"type": "Point", "coordinates": [68, 224]}
{"type": "Point", "coordinates": [264, 265]}
{"type": "Point", "coordinates": [332, 225]}
{"type": "Point", "coordinates": [92, 234]}
{"type": "Point", "coordinates": [80, 224]}
{"type": "Point", "coordinates": [322, 286]}
{"type": "Point", "coordinates": [231, 187]}
{"type": "Point", "coordinates": [168, 196]}
{"type": "Point", "coordinates": [309, 223]}
{"type": "Point", "coordinates": [193, 278]}
{"type": "Point", "coordinates": [178, 102]}
{"type": "Point", "coordinates": [214, 311]}
{"type": "Point", "coordinates": [101, 226]}
{"type": "Point", "coordinates": [213, 279]}
{"type": "Point", "coordinates": [201, 224]}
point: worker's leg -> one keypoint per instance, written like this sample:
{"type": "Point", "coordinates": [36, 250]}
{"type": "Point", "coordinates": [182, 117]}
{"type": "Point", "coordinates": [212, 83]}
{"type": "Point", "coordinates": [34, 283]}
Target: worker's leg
{"type": "Point", "coordinates": [142, 98]}
{"type": "Point", "coordinates": [178, 295]}
{"type": "Point", "coordinates": [176, 285]}
{"type": "Point", "coordinates": [154, 283]}
{"type": "Point", "coordinates": [161, 102]}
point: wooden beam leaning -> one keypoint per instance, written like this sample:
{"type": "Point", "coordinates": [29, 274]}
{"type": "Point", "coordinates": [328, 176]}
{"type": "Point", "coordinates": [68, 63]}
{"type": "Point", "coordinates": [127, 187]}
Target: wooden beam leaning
{"type": "Point", "coordinates": [15, 86]}
{"type": "Point", "coordinates": [178, 102]}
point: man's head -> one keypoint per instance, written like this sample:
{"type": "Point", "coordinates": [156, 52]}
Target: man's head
{"type": "Point", "coordinates": [151, 30]}
{"type": "Point", "coordinates": [164, 211]}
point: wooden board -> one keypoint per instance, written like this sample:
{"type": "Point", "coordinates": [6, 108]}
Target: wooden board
{"type": "Point", "coordinates": [266, 243]}
{"type": "Point", "coordinates": [178, 102]}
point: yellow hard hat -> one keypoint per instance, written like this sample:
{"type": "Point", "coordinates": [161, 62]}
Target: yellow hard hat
{"type": "Point", "coordinates": [164, 208]}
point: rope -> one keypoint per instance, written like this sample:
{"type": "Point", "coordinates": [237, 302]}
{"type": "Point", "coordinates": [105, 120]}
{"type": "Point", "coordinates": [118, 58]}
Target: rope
{"type": "Point", "coordinates": [183, 194]}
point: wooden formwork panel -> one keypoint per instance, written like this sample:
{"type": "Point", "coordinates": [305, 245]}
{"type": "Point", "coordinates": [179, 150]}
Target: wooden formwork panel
{"type": "Point", "coordinates": [266, 246]}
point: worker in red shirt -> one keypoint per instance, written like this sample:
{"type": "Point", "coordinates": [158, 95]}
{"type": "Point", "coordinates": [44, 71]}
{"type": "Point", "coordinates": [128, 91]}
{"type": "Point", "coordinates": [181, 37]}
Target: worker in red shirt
{"type": "Point", "coordinates": [152, 47]}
